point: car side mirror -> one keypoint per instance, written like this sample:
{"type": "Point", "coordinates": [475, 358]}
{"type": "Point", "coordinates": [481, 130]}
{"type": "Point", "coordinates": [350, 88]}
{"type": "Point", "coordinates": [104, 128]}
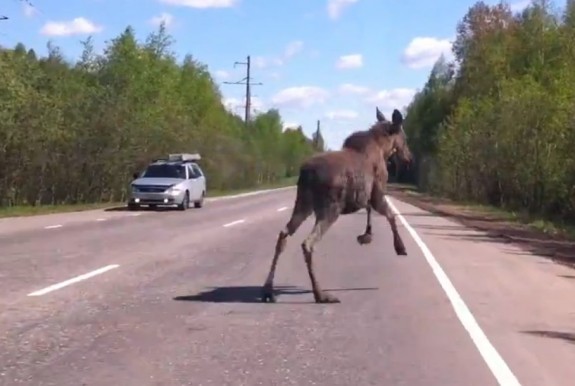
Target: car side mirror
{"type": "Point", "coordinates": [135, 176]}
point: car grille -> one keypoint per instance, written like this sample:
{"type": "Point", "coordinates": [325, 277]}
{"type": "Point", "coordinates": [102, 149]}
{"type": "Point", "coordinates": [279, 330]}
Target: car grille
{"type": "Point", "coordinates": [151, 188]}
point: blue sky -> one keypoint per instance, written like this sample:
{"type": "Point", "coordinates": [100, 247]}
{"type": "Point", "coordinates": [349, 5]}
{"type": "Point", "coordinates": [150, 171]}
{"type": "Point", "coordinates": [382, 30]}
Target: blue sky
{"type": "Point", "coordinates": [332, 60]}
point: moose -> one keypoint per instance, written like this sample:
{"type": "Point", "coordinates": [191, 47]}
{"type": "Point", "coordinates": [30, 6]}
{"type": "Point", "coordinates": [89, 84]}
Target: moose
{"type": "Point", "coordinates": [342, 182]}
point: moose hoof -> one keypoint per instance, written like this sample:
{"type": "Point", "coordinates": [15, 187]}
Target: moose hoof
{"type": "Point", "coordinates": [401, 251]}
{"type": "Point", "coordinates": [268, 295]}
{"type": "Point", "coordinates": [326, 298]}
{"type": "Point", "coordinates": [364, 239]}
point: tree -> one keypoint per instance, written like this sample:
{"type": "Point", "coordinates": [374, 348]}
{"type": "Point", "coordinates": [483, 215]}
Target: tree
{"type": "Point", "coordinates": [496, 125]}
{"type": "Point", "coordinates": [73, 132]}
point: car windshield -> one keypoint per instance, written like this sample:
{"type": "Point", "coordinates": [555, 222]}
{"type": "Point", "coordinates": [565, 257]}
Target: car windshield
{"type": "Point", "coordinates": [165, 171]}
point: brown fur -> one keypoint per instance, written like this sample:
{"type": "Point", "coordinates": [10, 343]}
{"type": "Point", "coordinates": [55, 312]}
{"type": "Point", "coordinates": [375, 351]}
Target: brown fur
{"type": "Point", "coordinates": [341, 182]}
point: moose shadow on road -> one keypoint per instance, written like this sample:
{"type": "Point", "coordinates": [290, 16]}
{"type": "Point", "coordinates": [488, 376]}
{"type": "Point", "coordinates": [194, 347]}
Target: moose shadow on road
{"type": "Point", "coordinates": [253, 294]}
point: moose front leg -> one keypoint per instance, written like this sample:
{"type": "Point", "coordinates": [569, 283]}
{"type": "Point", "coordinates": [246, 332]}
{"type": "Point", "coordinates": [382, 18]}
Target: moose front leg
{"type": "Point", "coordinates": [366, 237]}
{"type": "Point", "coordinates": [322, 224]}
{"type": "Point", "coordinates": [381, 206]}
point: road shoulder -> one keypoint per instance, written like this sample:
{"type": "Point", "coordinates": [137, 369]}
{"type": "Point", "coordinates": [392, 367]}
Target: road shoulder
{"type": "Point", "coordinates": [518, 298]}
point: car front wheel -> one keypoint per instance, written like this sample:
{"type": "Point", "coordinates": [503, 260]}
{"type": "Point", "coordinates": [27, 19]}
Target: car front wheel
{"type": "Point", "coordinates": [185, 202]}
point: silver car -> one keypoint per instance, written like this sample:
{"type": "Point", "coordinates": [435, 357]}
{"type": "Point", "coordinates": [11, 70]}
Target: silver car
{"type": "Point", "coordinates": [177, 180]}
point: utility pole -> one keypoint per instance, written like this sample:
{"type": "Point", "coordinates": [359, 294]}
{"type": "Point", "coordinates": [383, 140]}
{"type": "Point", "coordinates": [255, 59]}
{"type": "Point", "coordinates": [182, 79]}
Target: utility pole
{"type": "Point", "coordinates": [248, 83]}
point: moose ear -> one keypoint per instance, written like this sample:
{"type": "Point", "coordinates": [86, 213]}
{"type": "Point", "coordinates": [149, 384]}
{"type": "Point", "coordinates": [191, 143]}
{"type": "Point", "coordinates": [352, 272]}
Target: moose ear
{"type": "Point", "coordinates": [380, 117]}
{"type": "Point", "coordinates": [396, 117]}
{"type": "Point", "coordinates": [396, 122]}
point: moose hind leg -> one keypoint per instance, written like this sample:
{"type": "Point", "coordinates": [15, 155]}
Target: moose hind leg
{"type": "Point", "coordinates": [366, 237]}
{"type": "Point", "coordinates": [322, 224]}
{"type": "Point", "coordinates": [382, 207]}
{"type": "Point", "coordinates": [299, 215]}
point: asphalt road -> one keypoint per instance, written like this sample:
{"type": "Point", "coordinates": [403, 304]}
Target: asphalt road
{"type": "Point", "coordinates": [172, 298]}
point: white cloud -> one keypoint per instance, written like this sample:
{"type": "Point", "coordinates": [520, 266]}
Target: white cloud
{"type": "Point", "coordinates": [348, 88]}
{"type": "Point", "coordinates": [349, 61]}
{"type": "Point", "coordinates": [341, 114]}
{"type": "Point", "coordinates": [164, 17]}
{"type": "Point", "coordinates": [222, 74]}
{"type": "Point", "coordinates": [290, 125]}
{"type": "Point", "coordinates": [293, 48]}
{"type": "Point", "coordinates": [258, 105]}
{"type": "Point", "coordinates": [237, 105]}
{"type": "Point", "coordinates": [202, 3]}
{"type": "Point", "coordinates": [264, 62]}
{"type": "Point", "coordinates": [336, 7]}
{"type": "Point", "coordinates": [29, 10]}
{"type": "Point", "coordinates": [396, 98]}
{"type": "Point", "coordinates": [232, 104]}
{"type": "Point", "coordinates": [301, 96]}
{"type": "Point", "coordinates": [274, 75]}
{"type": "Point", "coordinates": [423, 52]}
{"type": "Point", "coordinates": [78, 26]}
{"type": "Point", "coordinates": [519, 6]}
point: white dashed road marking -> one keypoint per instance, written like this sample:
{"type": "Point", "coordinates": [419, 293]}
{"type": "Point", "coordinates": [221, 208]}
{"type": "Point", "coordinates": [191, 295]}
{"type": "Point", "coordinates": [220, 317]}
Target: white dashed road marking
{"type": "Point", "coordinates": [234, 223]}
{"type": "Point", "coordinates": [73, 280]}
{"type": "Point", "coordinates": [490, 355]}
{"type": "Point", "coordinates": [53, 226]}
{"type": "Point", "coordinates": [100, 219]}
{"type": "Point", "coordinates": [282, 208]}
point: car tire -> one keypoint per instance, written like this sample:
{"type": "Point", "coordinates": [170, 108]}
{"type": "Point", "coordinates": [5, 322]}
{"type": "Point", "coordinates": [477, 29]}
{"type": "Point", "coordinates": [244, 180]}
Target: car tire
{"type": "Point", "coordinates": [200, 202]}
{"type": "Point", "coordinates": [185, 202]}
{"type": "Point", "coordinates": [133, 206]}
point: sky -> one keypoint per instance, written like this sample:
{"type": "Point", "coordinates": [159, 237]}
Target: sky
{"type": "Point", "coordinates": [327, 60]}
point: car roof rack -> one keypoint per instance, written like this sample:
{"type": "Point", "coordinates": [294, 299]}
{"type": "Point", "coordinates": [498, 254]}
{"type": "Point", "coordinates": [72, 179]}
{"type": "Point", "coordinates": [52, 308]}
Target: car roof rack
{"type": "Point", "coordinates": [184, 157]}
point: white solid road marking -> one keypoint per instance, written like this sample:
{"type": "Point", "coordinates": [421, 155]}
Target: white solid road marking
{"type": "Point", "coordinates": [53, 226]}
{"type": "Point", "coordinates": [135, 214]}
{"type": "Point", "coordinates": [282, 208]}
{"type": "Point", "coordinates": [233, 223]}
{"type": "Point", "coordinates": [73, 280]}
{"type": "Point", "coordinates": [490, 355]}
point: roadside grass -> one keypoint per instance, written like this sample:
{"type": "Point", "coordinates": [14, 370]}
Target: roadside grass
{"type": "Point", "coordinates": [28, 210]}
{"type": "Point", "coordinates": [555, 228]}
{"type": "Point", "coordinates": [25, 210]}
{"type": "Point", "coordinates": [274, 185]}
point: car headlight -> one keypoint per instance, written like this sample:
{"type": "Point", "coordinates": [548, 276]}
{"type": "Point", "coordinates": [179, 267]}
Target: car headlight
{"type": "Point", "coordinates": [135, 190]}
{"type": "Point", "coordinates": [174, 191]}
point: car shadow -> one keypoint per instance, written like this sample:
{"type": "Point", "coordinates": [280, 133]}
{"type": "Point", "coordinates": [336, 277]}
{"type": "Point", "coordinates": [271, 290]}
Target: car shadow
{"type": "Point", "coordinates": [140, 209]}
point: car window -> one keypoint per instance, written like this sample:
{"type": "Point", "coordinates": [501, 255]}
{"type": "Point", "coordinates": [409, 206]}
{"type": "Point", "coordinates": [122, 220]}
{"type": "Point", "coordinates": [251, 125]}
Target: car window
{"type": "Point", "coordinates": [197, 170]}
{"type": "Point", "coordinates": [165, 171]}
{"type": "Point", "coordinates": [191, 171]}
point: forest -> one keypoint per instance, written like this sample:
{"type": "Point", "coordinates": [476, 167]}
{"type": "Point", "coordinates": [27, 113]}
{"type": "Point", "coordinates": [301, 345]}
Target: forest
{"type": "Point", "coordinates": [75, 132]}
{"type": "Point", "coordinates": [495, 125]}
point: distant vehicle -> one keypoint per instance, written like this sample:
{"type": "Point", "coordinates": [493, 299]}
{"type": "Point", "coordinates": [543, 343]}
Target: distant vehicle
{"type": "Point", "coordinates": [177, 180]}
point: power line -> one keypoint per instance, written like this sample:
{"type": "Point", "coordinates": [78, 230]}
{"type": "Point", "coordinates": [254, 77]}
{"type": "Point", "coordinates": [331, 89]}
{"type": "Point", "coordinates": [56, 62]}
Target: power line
{"type": "Point", "coordinates": [247, 82]}
{"type": "Point", "coordinates": [2, 17]}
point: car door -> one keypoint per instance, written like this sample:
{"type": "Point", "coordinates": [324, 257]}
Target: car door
{"type": "Point", "coordinates": [201, 179]}
{"type": "Point", "coordinates": [192, 183]}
